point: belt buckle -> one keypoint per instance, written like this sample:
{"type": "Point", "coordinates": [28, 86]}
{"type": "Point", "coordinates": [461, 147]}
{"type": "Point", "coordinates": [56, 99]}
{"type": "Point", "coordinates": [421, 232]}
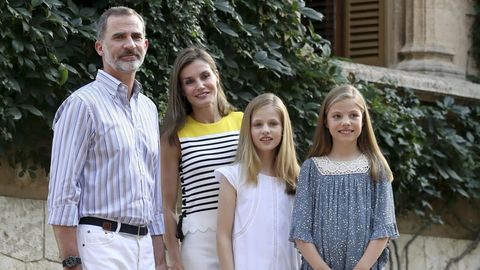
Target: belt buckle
{"type": "Point", "coordinates": [139, 229]}
{"type": "Point", "coordinates": [107, 226]}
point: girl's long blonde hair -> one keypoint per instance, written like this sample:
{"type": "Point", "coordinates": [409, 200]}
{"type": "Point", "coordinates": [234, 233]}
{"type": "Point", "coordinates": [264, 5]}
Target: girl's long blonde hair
{"type": "Point", "coordinates": [366, 142]}
{"type": "Point", "coordinates": [285, 164]}
{"type": "Point", "coordinates": [178, 106]}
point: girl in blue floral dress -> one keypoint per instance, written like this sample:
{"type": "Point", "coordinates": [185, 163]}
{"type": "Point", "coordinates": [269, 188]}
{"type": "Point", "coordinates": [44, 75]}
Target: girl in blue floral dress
{"type": "Point", "coordinates": [344, 212]}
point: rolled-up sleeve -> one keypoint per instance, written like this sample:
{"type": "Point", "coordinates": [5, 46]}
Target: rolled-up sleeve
{"type": "Point", "coordinates": [302, 217]}
{"type": "Point", "coordinates": [157, 226]}
{"type": "Point", "coordinates": [72, 133]}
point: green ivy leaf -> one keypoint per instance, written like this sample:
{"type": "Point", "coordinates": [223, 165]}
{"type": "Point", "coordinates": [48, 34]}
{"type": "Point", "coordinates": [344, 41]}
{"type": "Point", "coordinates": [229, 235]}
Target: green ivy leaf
{"type": "Point", "coordinates": [470, 137]}
{"type": "Point", "coordinates": [36, 3]}
{"type": "Point", "coordinates": [226, 29]}
{"type": "Point", "coordinates": [87, 12]}
{"type": "Point", "coordinates": [261, 56]}
{"type": "Point", "coordinates": [224, 6]}
{"type": "Point", "coordinates": [13, 84]}
{"type": "Point", "coordinates": [463, 192]}
{"type": "Point", "coordinates": [311, 13]}
{"type": "Point", "coordinates": [17, 45]}
{"type": "Point", "coordinates": [31, 109]}
{"type": "Point", "coordinates": [14, 112]}
{"type": "Point", "coordinates": [29, 64]}
{"type": "Point", "coordinates": [55, 3]}
{"type": "Point", "coordinates": [453, 174]}
{"type": "Point", "coordinates": [443, 173]}
{"type": "Point", "coordinates": [230, 62]}
{"type": "Point", "coordinates": [71, 5]}
{"type": "Point", "coordinates": [253, 30]}
{"type": "Point", "coordinates": [25, 13]}
{"type": "Point", "coordinates": [326, 50]}
{"type": "Point", "coordinates": [448, 101]}
{"type": "Point", "coordinates": [388, 139]}
{"type": "Point", "coordinates": [63, 71]}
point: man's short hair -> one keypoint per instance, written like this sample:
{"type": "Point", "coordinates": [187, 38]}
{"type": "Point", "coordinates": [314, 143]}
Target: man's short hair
{"type": "Point", "coordinates": [115, 11]}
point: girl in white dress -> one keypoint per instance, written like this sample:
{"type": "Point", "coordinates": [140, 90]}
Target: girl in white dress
{"type": "Point", "coordinates": [256, 192]}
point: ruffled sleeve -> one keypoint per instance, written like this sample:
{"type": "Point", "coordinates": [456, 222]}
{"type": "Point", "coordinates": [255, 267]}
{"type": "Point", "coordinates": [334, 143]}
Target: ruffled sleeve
{"type": "Point", "coordinates": [384, 222]}
{"type": "Point", "coordinates": [302, 216]}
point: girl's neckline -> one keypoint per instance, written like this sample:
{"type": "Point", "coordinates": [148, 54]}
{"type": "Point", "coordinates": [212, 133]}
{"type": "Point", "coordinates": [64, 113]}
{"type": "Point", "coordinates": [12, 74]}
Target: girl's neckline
{"type": "Point", "coordinates": [267, 175]}
{"type": "Point", "coordinates": [349, 159]}
{"type": "Point", "coordinates": [327, 166]}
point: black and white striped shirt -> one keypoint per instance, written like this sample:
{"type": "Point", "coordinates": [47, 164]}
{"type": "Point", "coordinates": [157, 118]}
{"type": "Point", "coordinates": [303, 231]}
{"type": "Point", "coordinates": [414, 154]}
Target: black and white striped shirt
{"type": "Point", "coordinates": [204, 148]}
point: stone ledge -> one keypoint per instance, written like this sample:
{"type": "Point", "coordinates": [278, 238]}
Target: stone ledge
{"type": "Point", "coordinates": [428, 84]}
{"type": "Point", "coordinates": [11, 185]}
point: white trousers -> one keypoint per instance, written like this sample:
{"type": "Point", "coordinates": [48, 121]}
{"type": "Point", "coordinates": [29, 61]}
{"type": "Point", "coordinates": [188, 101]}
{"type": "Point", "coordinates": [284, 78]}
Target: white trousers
{"type": "Point", "coordinates": [100, 250]}
{"type": "Point", "coordinates": [199, 251]}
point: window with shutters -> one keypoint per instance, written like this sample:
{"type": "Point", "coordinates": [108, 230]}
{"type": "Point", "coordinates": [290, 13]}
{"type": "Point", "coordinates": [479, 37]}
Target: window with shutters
{"type": "Point", "coordinates": [356, 28]}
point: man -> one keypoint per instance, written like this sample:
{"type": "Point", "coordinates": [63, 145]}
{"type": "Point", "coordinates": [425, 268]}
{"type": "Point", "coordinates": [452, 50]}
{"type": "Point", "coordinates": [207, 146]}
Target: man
{"type": "Point", "coordinates": [104, 196]}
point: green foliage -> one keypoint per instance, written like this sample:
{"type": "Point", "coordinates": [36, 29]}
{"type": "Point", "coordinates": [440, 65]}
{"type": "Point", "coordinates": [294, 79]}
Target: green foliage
{"type": "Point", "coordinates": [37, 69]}
{"type": "Point", "coordinates": [46, 52]}
{"type": "Point", "coordinates": [433, 149]}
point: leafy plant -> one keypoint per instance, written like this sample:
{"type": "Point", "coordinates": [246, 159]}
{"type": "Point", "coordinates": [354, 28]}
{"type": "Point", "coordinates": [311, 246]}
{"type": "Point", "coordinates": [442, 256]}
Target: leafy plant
{"type": "Point", "coordinates": [433, 149]}
{"type": "Point", "coordinates": [37, 70]}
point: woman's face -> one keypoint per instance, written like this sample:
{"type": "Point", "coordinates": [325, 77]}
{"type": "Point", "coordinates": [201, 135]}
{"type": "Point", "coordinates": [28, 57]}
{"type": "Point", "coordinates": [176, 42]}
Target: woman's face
{"type": "Point", "coordinates": [199, 84]}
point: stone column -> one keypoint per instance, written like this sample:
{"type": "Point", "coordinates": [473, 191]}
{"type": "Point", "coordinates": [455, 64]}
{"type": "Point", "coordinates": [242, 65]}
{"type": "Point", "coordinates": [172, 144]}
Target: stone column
{"type": "Point", "coordinates": [424, 50]}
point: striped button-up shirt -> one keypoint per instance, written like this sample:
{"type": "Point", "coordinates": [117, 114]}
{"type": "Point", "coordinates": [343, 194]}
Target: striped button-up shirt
{"type": "Point", "coordinates": [105, 157]}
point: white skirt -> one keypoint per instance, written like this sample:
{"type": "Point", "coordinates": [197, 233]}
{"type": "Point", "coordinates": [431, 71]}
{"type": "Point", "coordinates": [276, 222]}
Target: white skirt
{"type": "Point", "coordinates": [199, 250]}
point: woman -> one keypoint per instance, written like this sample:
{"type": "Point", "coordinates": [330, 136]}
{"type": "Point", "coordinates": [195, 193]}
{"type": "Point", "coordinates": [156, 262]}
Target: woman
{"type": "Point", "coordinates": [199, 134]}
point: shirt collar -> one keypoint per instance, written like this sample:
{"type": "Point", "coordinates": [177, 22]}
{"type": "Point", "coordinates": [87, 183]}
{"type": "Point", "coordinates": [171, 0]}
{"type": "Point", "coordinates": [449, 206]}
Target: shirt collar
{"type": "Point", "coordinates": [115, 87]}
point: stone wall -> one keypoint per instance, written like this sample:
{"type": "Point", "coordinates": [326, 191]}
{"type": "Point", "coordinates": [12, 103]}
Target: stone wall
{"type": "Point", "coordinates": [433, 253]}
{"type": "Point", "coordinates": [27, 243]}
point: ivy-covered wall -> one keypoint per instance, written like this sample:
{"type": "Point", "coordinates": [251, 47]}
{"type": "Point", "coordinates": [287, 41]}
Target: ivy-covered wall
{"type": "Point", "coordinates": [46, 52]}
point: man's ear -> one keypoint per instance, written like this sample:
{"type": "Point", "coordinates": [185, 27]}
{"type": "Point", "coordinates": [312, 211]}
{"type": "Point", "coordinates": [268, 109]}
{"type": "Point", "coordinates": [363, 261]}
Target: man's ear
{"type": "Point", "coordinates": [146, 44]}
{"type": "Point", "coordinates": [99, 47]}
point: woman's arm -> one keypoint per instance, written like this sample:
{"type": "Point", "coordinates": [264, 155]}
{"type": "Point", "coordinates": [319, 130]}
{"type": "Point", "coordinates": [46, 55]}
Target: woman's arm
{"type": "Point", "coordinates": [373, 251]}
{"type": "Point", "coordinates": [170, 158]}
{"type": "Point", "coordinates": [310, 253]}
{"type": "Point", "coordinates": [227, 201]}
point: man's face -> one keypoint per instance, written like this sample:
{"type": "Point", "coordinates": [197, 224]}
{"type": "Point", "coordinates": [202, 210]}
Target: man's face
{"type": "Point", "coordinates": [123, 46]}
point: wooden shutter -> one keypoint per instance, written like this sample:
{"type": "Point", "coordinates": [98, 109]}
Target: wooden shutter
{"type": "Point", "coordinates": [328, 27]}
{"type": "Point", "coordinates": [364, 31]}
{"type": "Point", "coordinates": [355, 28]}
